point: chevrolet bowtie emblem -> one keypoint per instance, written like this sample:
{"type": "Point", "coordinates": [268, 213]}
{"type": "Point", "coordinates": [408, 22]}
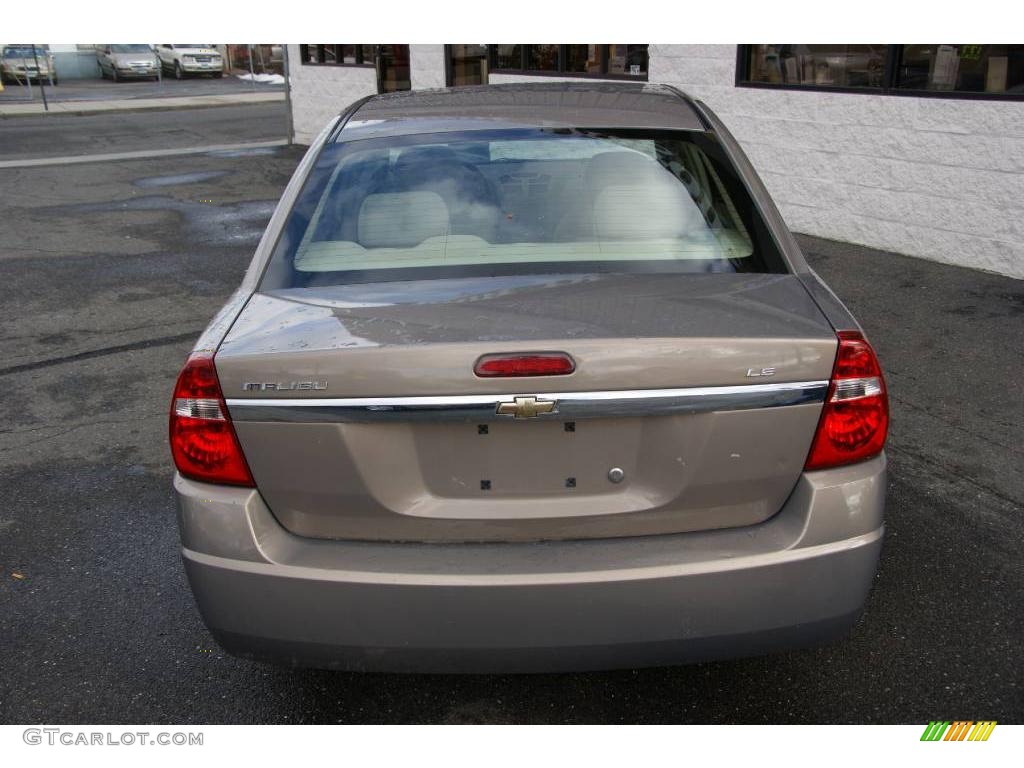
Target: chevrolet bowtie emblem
{"type": "Point", "coordinates": [526, 407]}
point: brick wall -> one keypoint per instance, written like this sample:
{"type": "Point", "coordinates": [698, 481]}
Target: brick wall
{"type": "Point", "coordinates": [320, 93]}
{"type": "Point", "coordinates": [426, 64]}
{"type": "Point", "coordinates": [941, 179]}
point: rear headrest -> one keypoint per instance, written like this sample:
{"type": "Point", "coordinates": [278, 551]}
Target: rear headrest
{"type": "Point", "coordinates": [649, 211]}
{"type": "Point", "coordinates": [415, 155]}
{"type": "Point", "coordinates": [624, 167]}
{"type": "Point", "coordinates": [401, 219]}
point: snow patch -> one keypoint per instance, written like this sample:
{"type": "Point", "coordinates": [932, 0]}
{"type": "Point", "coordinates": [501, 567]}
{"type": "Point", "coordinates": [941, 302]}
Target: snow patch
{"type": "Point", "coordinates": [269, 79]}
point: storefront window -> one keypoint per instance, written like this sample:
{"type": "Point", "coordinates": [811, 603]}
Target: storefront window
{"type": "Point", "coordinates": [628, 60]}
{"type": "Point", "coordinates": [953, 69]}
{"type": "Point", "coordinates": [337, 54]}
{"type": "Point", "coordinates": [849, 66]}
{"type": "Point", "coordinates": [467, 64]}
{"type": "Point", "coordinates": [542, 58]}
{"type": "Point", "coordinates": [584, 58]}
{"type": "Point", "coordinates": [310, 53]}
{"type": "Point", "coordinates": [393, 68]}
{"type": "Point", "coordinates": [618, 62]}
{"type": "Point", "coordinates": [508, 56]}
{"type": "Point", "coordinates": [962, 67]}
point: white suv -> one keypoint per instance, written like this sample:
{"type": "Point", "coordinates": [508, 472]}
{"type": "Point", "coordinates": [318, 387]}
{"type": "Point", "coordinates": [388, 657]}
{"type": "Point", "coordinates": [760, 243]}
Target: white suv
{"type": "Point", "coordinates": [190, 59]}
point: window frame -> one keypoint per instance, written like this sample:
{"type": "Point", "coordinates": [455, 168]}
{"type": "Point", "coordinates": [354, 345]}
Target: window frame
{"type": "Point", "coordinates": [365, 55]}
{"type": "Point", "coordinates": [604, 74]}
{"type": "Point", "coordinates": [894, 57]}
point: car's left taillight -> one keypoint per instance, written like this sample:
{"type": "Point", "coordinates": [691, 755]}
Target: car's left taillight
{"type": "Point", "coordinates": [203, 442]}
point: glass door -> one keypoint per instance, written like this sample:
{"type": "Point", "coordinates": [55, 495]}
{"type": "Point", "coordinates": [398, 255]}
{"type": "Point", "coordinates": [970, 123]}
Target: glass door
{"type": "Point", "coordinates": [393, 68]}
{"type": "Point", "coordinates": [467, 65]}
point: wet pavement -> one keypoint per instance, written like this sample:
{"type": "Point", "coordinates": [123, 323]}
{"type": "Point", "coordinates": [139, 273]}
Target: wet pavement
{"type": "Point", "coordinates": [24, 138]}
{"type": "Point", "coordinates": [109, 271]}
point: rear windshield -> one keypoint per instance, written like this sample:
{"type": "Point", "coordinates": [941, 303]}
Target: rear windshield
{"type": "Point", "coordinates": [519, 202]}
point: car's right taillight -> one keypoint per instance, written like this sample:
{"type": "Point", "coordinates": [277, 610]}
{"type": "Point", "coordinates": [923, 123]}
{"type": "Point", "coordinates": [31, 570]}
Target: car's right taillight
{"type": "Point", "coordinates": [203, 442]}
{"type": "Point", "coordinates": [855, 418]}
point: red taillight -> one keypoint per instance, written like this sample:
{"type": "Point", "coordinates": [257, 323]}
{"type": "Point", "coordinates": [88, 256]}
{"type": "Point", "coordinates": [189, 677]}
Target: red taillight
{"type": "Point", "coordinates": [530, 364]}
{"type": "Point", "coordinates": [203, 442]}
{"type": "Point", "coordinates": [855, 418]}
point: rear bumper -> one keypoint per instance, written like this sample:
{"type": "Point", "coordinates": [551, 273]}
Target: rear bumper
{"type": "Point", "coordinates": [799, 578]}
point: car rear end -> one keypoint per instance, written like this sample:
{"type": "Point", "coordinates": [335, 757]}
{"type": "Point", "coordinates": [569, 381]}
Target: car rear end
{"type": "Point", "coordinates": [528, 397]}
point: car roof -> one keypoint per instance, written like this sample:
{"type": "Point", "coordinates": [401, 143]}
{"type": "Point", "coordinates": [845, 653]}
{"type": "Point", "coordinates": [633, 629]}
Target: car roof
{"type": "Point", "coordinates": [523, 105]}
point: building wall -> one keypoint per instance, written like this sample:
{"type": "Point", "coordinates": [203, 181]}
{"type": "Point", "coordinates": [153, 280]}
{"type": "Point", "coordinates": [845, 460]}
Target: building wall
{"type": "Point", "coordinates": [938, 178]}
{"type": "Point", "coordinates": [75, 65]}
{"type": "Point", "coordinates": [319, 94]}
{"type": "Point", "coordinates": [932, 177]}
{"type": "Point", "coordinates": [426, 65]}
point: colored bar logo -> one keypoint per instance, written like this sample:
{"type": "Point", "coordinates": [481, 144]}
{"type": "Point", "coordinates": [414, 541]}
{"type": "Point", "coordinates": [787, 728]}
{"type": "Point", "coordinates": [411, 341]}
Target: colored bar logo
{"type": "Point", "coordinates": [958, 730]}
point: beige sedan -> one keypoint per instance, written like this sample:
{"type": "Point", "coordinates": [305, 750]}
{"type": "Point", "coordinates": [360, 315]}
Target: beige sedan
{"type": "Point", "coordinates": [20, 64]}
{"type": "Point", "coordinates": [523, 378]}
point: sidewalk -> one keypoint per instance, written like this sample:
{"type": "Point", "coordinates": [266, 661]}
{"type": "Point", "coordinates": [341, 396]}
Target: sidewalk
{"type": "Point", "coordinates": [34, 108]}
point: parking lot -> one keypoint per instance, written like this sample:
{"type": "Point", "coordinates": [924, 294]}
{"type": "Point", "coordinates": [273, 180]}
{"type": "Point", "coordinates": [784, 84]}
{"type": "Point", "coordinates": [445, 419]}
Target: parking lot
{"type": "Point", "coordinates": [109, 271]}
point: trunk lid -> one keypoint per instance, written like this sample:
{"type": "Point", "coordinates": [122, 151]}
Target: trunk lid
{"type": "Point", "coordinates": [377, 464]}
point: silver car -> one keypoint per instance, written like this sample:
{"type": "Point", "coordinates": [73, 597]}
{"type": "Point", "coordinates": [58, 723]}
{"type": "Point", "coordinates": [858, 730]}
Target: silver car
{"type": "Point", "coordinates": [183, 59]}
{"type": "Point", "coordinates": [128, 61]}
{"type": "Point", "coordinates": [522, 378]}
{"type": "Point", "coordinates": [20, 64]}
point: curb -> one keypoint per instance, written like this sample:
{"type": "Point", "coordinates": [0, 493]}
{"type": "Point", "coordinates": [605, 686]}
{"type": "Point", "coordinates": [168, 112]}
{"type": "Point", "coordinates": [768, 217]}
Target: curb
{"type": "Point", "coordinates": [127, 107]}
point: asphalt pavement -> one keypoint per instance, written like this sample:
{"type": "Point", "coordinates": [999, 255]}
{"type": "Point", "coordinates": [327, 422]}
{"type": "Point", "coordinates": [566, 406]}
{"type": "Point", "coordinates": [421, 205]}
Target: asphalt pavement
{"type": "Point", "coordinates": [24, 138]}
{"type": "Point", "coordinates": [109, 271]}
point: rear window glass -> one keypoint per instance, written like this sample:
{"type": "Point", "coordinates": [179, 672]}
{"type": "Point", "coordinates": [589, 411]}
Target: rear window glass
{"type": "Point", "coordinates": [519, 202]}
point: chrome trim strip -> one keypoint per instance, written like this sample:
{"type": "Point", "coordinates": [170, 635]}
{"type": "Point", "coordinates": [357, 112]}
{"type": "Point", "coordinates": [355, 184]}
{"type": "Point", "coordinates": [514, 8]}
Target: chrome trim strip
{"type": "Point", "coordinates": [570, 405]}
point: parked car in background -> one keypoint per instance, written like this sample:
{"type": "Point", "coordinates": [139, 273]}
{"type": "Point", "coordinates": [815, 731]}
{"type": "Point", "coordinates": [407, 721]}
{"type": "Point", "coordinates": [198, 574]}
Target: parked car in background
{"type": "Point", "coordinates": [21, 63]}
{"type": "Point", "coordinates": [127, 60]}
{"type": "Point", "coordinates": [529, 377]}
{"type": "Point", "coordinates": [181, 59]}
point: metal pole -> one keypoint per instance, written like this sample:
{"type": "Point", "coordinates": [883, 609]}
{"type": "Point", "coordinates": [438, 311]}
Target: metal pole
{"type": "Point", "coordinates": [252, 72]}
{"type": "Point", "coordinates": [42, 88]}
{"type": "Point", "coordinates": [288, 97]}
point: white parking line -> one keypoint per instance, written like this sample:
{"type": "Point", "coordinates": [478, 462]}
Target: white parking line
{"type": "Point", "coordinates": [139, 154]}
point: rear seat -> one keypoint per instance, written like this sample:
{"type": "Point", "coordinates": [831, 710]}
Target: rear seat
{"type": "Point", "coordinates": [401, 219]}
